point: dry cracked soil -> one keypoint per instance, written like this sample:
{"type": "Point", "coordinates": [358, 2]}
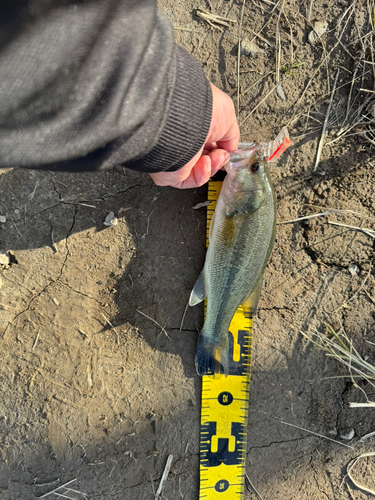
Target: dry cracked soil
{"type": "Point", "coordinates": [98, 382]}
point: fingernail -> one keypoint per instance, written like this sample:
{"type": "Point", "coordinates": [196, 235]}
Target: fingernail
{"type": "Point", "coordinates": [226, 157]}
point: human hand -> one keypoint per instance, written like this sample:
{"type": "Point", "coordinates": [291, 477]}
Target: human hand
{"type": "Point", "coordinates": [222, 138]}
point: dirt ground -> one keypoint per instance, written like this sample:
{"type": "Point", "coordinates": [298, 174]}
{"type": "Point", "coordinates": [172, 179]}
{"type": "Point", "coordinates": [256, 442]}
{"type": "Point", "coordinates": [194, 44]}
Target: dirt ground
{"type": "Point", "coordinates": [93, 389]}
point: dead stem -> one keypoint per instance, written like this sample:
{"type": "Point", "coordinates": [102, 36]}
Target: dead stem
{"type": "Point", "coordinates": [239, 58]}
{"type": "Point", "coordinates": [302, 428]}
{"type": "Point", "coordinates": [321, 142]}
{"type": "Point", "coordinates": [352, 465]}
{"type": "Point", "coordinates": [156, 323]}
{"type": "Point", "coordinates": [113, 328]}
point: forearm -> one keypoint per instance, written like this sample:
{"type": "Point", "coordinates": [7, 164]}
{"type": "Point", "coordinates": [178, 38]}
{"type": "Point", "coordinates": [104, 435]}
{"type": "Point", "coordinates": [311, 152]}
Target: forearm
{"type": "Point", "coordinates": [101, 85]}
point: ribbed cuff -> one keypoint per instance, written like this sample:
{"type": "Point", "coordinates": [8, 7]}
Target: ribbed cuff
{"type": "Point", "coordinates": [188, 122]}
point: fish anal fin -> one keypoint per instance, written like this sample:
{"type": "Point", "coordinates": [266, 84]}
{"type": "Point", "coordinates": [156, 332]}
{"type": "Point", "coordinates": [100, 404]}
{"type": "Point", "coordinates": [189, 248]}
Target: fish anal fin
{"type": "Point", "coordinates": [198, 292]}
{"type": "Point", "coordinates": [251, 303]}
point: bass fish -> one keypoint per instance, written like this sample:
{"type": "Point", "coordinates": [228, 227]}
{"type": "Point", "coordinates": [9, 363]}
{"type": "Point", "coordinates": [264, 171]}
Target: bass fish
{"type": "Point", "coordinates": [241, 237]}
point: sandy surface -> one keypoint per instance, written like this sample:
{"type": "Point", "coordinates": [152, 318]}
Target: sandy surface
{"type": "Point", "coordinates": [94, 390]}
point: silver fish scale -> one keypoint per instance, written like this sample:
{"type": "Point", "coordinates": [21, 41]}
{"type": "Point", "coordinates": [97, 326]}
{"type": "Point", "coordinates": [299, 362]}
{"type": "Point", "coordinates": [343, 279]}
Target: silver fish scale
{"type": "Point", "coordinates": [232, 272]}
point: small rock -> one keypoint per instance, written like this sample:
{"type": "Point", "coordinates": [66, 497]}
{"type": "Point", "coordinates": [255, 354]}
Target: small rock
{"type": "Point", "coordinates": [347, 434]}
{"type": "Point", "coordinates": [280, 92]}
{"type": "Point", "coordinates": [320, 27]}
{"type": "Point", "coordinates": [4, 259]}
{"type": "Point", "coordinates": [3, 219]}
{"type": "Point", "coordinates": [202, 205]}
{"type": "Point", "coordinates": [250, 48]}
{"type": "Point", "coordinates": [110, 220]}
{"type": "Point", "coordinates": [353, 269]}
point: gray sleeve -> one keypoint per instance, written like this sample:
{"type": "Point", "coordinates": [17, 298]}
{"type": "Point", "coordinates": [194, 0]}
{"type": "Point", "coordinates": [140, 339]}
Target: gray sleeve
{"type": "Point", "coordinates": [96, 84]}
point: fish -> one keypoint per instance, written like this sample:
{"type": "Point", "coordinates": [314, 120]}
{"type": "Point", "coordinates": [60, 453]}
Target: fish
{"type": "Point", "coordinates": [241, 237]}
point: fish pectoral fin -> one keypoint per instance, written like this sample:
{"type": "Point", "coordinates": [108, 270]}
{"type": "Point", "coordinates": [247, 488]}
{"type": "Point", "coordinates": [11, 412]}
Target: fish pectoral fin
{"type": "Point", "coordinates": [251, 303]}
{"type": "Point", "coordinates": [198, 292]}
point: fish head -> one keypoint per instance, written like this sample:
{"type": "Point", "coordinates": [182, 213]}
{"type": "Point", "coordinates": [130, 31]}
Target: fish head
{"type": "Point", "coordinates": [248, 172]}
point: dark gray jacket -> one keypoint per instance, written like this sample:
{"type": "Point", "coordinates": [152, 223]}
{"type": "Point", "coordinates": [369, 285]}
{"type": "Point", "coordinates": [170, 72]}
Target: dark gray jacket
{"type": "Point", "coordinates": [96, 83]}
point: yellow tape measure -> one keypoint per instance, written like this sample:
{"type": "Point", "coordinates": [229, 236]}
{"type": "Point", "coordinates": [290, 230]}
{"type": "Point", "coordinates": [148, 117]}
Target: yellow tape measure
{"type": "Point", "coordinates": [225, 402]}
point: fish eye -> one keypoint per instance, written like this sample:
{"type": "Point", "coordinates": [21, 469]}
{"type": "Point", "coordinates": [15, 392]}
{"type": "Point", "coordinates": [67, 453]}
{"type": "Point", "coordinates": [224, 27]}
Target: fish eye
{"type": "Point", "coordinates": [255, 167]}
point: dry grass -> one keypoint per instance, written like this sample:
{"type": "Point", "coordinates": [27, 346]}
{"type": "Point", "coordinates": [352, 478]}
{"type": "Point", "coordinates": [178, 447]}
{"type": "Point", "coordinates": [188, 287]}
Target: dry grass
{"type": "Point", "coordinates": [65, 491]}
{"type": "Point", "coordinates": [341, 348]}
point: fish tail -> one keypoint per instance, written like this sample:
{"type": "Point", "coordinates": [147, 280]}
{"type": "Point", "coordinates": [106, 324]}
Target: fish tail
{"type": "Point", "coordinates": [210, 358]}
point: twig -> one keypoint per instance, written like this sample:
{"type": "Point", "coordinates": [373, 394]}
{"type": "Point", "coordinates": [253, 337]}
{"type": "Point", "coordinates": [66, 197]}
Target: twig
{"type": "Point", "coordinates": [113, 328]}
{"type": "Point", "coordinates": [304, 218]}
{"type": "Point", "coordinates": [36, 340]}
{"type": "Point", "coordinates": [364, 230]}
{"type": "Point", "coordinates": [266, 24]}
{"type": "Point", "coordinates": [320, 65]}
{"type": "Point", "coordinates": [156, 323]}
{"type": "Point", "coordinates": [213, 18]}
{"type": "Point", "coordinates": [58, 488]}
{"type": "Point", "coordinates": [178, 28]}
{"type": "Point", "coordinates": [261, 102]}
{"type": "Point", "coordinates": [310, 10]}
{"type": "Point", "coordinates": [253, 487]}
{"type": "Point", "coordinates": [362, 285]}
{"type": "Point", "coordinates": [253, 84]}
{"type": "Point", "coordinates": [31, 195]}
{"type": "Point", "coordinates": [239, 58]}
{"type": "Point", "coordinates": [366, 436]}
{"type": "Point", "coordinates": [19, 232]}
{"type": "Point", "coordinates": [350, 468]}
{"type": "Point", "coordinates": [321, 142]}
{"type": "Point", "coordinates": [51, 483]}
{"type": "Point", "coordinates": [54, 246]}
{"type": "Point", "coordinates": [183, 316]}
{"type": "Point", "coordinates": [303, 429]}
{"type": "Point", "coordinates": [164, 476]}
{"type": "Point", "coordinates": [148, 221]}
{"type": "Point", "coordinates": [258, 35]}
{"type": "Point", "coordinates": [341, 212]}
{"type": "Point", "coordinates": [370, 404]}
{"type": "Point", "coordinates": [278, 45]}
{"type": "Point", "coordinates": [350, 95]}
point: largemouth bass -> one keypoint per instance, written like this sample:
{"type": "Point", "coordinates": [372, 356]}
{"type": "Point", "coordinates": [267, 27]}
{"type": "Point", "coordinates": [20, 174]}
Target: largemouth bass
{"type": "Point", "coordinates": [241, 237]}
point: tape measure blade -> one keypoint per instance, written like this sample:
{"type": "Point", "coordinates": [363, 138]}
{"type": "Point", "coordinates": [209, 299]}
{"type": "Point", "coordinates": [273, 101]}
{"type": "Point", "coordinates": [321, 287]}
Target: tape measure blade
{"type": "Point", "coordinates": [225, 402]}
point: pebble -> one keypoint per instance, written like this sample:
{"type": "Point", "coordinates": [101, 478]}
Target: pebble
{"type": "Point", "coordinates": [320, 27]}
{"type": "Point", "coordinates": [353, 269]}
{"type": "Point", "coordinates": [347, 434]}
{"type": "Point", "coordinates": [4, 259]}
{"type": "Point", "coordinates": [250, 48]}
{"type": "Point", "coordinates": [3, 219]}
{"type": "Point", "coordinates": [280, 92]}
{"type": "Point", "coordinates": [110, 220]}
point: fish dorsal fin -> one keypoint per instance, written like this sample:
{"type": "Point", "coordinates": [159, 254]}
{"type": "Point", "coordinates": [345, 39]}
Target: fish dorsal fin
{"type": "Point", "coordinates": [251, 303]}
{"type": "Point", "coordinates": [198, 292]}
